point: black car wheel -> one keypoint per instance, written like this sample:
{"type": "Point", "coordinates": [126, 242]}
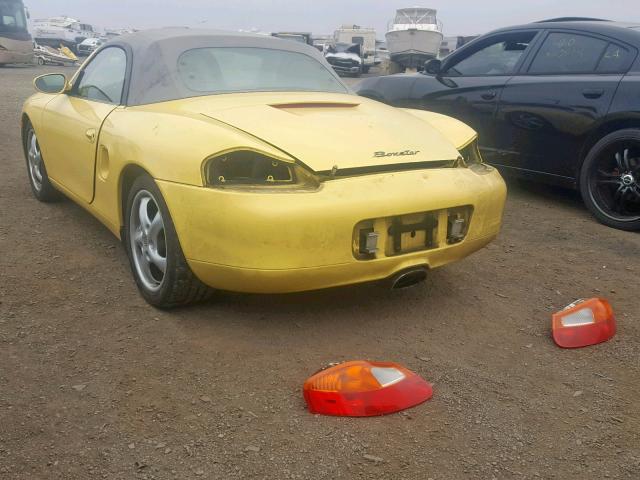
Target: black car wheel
{"type": "Point", "coordinates": [157, 262]}
{"type": "Point", "coordinates": [610, 180]}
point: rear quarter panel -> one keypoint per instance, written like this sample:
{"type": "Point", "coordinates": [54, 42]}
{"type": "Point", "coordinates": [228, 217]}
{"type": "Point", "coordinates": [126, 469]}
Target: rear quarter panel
{"type": "Point", "coordinates": [168, 144]}
{"type": "Point", "coordinates": [627, 98]}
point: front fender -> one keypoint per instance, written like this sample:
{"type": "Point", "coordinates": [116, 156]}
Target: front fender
{"type": "Point", "coordinates": [33, 108]}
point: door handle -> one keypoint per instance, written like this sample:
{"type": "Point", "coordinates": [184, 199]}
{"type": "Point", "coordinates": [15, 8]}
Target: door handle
{"type": "Point", "coordinates": [593, 93]}
{"type": "Point", "coordinates": [490, 95]}
{"type": "Point", "coordinates": [90, 134]}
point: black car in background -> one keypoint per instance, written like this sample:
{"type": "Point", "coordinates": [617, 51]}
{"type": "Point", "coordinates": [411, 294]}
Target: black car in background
{"type": "Point", "coordinates": [557, 101]}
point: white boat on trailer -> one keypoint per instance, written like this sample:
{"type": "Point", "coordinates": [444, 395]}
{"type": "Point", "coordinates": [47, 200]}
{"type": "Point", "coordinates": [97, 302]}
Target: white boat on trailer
{"type": "Point", "coordinates": [414, 36]}
{"type": "Point", "coordinates": [65, 31]}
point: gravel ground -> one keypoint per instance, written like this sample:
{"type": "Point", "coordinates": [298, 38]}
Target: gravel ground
{"type": "Point", "coordinates": [94, 383]}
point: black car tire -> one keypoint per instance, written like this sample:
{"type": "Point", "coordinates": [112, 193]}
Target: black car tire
{"type": "Point", "coordinates": [605, 150]}
{"type": "Point", "coordinates": [178, 285]}
{"type": "Point", "coordinates": [40, 184]}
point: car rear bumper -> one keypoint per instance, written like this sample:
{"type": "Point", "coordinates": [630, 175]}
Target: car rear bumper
{"type": "Point", "coordinates": [250, 280]}
{"type": "Point", "coordinates": [271, 242]}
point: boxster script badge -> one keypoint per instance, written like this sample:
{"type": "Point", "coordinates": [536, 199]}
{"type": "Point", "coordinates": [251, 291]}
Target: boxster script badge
{"type": "Point", "coordinates": [396, 154]}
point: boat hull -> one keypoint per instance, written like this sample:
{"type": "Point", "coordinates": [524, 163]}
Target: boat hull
{"type": "Point", "coordinates": [412, 48]}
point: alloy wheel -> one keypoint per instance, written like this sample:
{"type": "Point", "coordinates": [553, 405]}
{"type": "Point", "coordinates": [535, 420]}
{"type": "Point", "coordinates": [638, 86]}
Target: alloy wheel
{"type": "Point", "coordinates": [614, 183]}
{"type": "Point", "coordinates": [148, 240]}
{"type": "Point", "coordinates": [34, 156]}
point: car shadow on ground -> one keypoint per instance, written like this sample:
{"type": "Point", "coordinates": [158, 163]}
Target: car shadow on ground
{"type": "Point", "coordinates": [365, 296]}
{"type": "Point", "coordinates": [567, 197]}
{"type": "Point", "coordinates": [339, 309]}
{"type": "Point", "coordinates": [18, 67]}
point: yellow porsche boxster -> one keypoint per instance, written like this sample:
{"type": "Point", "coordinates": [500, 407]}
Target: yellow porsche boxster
{"type": "Point", "coordinates": [243, 163]}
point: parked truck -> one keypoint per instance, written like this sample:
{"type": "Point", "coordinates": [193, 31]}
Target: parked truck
{"type": "Point", "coordinates": [365, 37]}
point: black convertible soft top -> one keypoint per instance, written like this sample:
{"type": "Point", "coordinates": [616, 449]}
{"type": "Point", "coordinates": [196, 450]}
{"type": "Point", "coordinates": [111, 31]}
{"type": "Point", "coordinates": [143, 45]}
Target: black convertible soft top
{"type": "Point", "coordinates": [153, 57]}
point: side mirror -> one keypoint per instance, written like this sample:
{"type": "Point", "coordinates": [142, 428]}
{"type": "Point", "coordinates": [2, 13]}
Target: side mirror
{"type": "Point", "coordinates": [26, 10]}
{"type": "Point", "coordinates": [51, 83]}
{"type": "Point", "coordinates": [433, 66]}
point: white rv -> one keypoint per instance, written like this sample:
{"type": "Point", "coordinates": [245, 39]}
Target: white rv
{"type": "Point", "coordinates": [16, 45]}
{"type": "Point", "coordinates": [365, 37]}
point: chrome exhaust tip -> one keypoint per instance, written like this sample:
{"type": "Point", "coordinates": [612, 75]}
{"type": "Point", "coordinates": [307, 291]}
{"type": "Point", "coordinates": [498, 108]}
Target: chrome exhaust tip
{"type": "Point", "coordinates": [409, 278]}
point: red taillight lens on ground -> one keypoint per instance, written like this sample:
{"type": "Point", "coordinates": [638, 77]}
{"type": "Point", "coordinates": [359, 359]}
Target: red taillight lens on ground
{"type": "Point", "coordinates": [365, 389]}
{"type": "Point", "coordinates": [584, 323]}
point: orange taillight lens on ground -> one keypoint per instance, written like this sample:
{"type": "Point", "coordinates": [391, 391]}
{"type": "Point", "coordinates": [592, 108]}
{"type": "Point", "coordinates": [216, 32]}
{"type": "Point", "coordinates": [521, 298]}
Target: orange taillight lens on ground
{"type": "Point", "coordinates": [584, 323]}
{"type": "Point", "coordinates": [365, 389]}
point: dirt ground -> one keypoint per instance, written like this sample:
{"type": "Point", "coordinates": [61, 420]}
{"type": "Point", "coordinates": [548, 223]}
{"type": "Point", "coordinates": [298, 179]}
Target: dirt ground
{"type": "Point", "coordinates": [94, 383]}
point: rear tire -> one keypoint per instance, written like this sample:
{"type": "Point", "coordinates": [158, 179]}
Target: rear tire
{"type": "Point", "coordinates": [41, 186]}
{"type": "Point", "coordinates": [610, 180]}
{"type": "Point", "coordinates": [159, 267]}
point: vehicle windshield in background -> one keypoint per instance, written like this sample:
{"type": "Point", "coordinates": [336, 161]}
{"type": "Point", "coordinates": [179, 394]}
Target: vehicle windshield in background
{"type": "Point", "coordinates": [12, 17]}
{"type": "Point", "coordinates": [243, 69]}
{"type": "Point", "coordinates": [345, 48]}
{"type": "Point", "coordinates": [294, 38]}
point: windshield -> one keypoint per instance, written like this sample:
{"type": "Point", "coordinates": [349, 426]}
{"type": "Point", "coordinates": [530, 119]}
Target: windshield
{"type": "Point", "coordinates": [415, 16]}
{"type": "Point", "coordinates": [293, 38]}
{"type": "Point", "coordinates": [345, 48]}
{"type": "Point", "coordinates": [248, 69]}
{"type": "Point", "coordinates": [12, 17]}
